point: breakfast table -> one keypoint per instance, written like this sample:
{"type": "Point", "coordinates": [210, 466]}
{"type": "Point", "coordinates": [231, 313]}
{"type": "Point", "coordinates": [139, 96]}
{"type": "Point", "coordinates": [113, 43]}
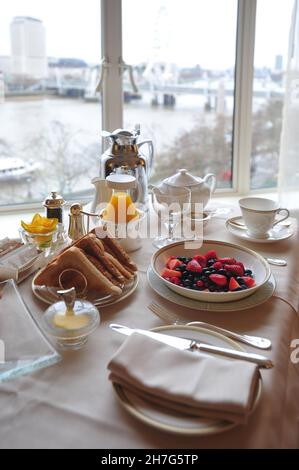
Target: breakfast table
{"type": "Point", "coordinates": [72, 404]}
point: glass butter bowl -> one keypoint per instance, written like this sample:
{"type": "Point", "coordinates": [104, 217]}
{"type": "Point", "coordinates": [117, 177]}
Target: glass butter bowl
{"type": "Point", "coordinates": [71, 321]}
{"type": "Point", "coordinates": [42, 241]}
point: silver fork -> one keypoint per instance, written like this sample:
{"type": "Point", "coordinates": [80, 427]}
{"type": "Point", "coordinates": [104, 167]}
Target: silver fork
{"type": "Point", "coordinates": [166, 315]}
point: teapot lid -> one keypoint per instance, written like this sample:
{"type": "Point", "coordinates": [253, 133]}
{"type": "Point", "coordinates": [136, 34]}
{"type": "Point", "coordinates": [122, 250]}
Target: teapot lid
{"type": "Point", "coordinates": [183, 178]}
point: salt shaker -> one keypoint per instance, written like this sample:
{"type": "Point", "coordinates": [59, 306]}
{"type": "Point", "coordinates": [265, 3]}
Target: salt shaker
{"type": "Point", "coordinates": [76, 222]}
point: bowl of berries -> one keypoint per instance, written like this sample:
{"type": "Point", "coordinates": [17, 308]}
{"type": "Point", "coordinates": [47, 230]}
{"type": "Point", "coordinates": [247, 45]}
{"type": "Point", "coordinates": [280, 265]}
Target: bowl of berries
{"type": "Point", "coordinates": [217, 272]}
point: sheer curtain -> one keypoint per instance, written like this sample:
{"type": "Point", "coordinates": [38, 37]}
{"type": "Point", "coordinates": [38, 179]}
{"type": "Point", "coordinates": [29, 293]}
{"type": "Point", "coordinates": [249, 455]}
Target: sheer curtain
{"type": "Point", "coordinates": [288, 180]}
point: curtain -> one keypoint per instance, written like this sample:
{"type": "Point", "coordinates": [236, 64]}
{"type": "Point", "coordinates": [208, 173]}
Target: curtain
{"type": "Point", "coordinates": [288, 178]}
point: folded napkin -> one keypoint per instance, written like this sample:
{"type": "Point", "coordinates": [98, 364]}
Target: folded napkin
{"type": "Point", "coordinates": [188, 382]}
{"type": "Point", "coordinates": [15, 264]}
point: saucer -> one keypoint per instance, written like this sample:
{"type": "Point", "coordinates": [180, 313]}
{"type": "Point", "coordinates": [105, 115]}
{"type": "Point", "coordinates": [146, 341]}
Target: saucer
{"type": "Point", "coordinates": [276, 234]}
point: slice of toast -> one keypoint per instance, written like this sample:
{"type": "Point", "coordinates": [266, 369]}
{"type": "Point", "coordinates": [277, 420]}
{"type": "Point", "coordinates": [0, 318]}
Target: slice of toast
{"type": "Point", "coordinates": [113, 247]}
{"type": "Point", "coordinates": [75, 258]}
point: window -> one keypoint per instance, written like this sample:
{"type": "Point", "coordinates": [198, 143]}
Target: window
{"type": "Point", "coordinates": [185, 97]}
{"type": "Point", "coordinates": [210, 79]}
{"type": "Point", "coordinates": [273, 21]}
{"type": "Point", "coordinates": [50, 119]}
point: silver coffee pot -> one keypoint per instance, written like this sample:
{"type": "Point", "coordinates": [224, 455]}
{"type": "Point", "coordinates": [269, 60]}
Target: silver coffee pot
{"type": "Point", "coordinates": [124, 156]}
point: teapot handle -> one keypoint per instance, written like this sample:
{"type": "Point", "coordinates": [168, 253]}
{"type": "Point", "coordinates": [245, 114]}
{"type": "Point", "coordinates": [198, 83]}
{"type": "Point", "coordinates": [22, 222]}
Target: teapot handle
{"type": "Point", "coordinates": [150, 155]}
{"type": "Point", "coordinates": [213, 181]}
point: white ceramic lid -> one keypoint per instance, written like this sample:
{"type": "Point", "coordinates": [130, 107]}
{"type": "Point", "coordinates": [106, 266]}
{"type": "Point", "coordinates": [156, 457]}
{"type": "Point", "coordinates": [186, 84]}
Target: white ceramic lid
{"type": "Point", "coordinates": [183, 178]}
{"type": "Point", "coordinates": [120, 181]}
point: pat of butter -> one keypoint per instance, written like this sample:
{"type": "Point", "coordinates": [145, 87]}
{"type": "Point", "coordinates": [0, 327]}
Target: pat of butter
{"type": "Point", "coordinates": [71, 322]}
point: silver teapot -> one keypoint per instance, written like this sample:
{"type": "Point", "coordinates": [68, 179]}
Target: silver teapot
{"type": "Point", "coordinates": [124, 156]}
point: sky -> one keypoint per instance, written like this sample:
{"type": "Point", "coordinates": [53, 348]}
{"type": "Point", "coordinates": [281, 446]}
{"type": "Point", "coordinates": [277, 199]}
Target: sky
{"type": "Point", "coordinates": [188, 32]}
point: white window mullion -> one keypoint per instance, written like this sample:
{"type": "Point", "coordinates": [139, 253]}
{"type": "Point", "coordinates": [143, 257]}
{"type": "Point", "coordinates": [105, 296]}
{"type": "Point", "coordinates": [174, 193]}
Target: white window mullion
{"type": "Point", "coordinates": [112, 89]}
{"type": "Point", "coordinates": [243, 95]}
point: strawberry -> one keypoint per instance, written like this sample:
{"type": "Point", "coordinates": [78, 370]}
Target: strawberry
{"type": "Point", "coordinates": [218, 279]}
{"type": "Point", "coordinates": [217, 265]}
{"type": "Point", "coordinates": [211, 254]}
{"type": "Point", "coordinates": [201, 260]}
{"type": "Point", "coordinates": [240, 264]}
{"type": "Point", "coordinates": [233, 284]}
{"type": "Point", "coordinates": [227, 260]}
{"type": "Point", "coordinates": [170, 273]}
{"type": "Point", "coordinates": [174, 263]}
{"type": "Point", "coordinates": [169, 260]}
{"type": "Point", "coordinates": [175, 280]}
{"type": "Point", "coordinates": [234, 269]}
{"type": "Point", "coordinates": [248, 281]}
{"type": "Point", "coordinates": [194, 266]}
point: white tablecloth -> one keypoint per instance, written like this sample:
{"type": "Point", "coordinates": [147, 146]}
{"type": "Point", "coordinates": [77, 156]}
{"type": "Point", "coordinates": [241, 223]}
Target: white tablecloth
{"type": "Point", "coordinates": [72, 404]}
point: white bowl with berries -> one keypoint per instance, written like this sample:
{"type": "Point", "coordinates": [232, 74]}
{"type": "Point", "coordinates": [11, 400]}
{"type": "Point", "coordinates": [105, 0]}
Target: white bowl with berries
{"type": "Point", "coordinates": [216, 272]}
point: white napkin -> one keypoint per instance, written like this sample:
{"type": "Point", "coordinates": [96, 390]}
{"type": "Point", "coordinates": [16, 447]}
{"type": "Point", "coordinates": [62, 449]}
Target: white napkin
{"type": "Point", "coordinates": [191, 383]}
{"type": "Point", "coordinates": [16, 264]}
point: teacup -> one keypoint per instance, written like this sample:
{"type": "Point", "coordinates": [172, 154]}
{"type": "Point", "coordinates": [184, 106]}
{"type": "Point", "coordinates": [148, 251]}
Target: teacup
{"type": "Point", "coordinates": [259, 215]}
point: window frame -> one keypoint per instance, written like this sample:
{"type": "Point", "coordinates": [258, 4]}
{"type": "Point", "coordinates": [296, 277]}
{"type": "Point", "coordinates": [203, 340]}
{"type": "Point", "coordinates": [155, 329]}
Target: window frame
{"type": "Point", "coordinates": [112, 90]}
{"type": "Point", "coordinates": [112, 109]}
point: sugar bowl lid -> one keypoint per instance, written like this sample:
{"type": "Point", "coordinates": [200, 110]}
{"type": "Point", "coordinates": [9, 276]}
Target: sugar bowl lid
{"type": "Point", "coordinates": [183, 178]}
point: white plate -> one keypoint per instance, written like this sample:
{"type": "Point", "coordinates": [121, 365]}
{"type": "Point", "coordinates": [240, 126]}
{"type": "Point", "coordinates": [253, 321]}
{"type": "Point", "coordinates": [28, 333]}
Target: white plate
{"type": "Point", "coordinates": [173, 422]}
{"type": "Point", "coordinates": [259, 297]}
{"type": "Point", "coordinates": [251, 260]}
{"type": "Point", "coordinates": [49, 295]}
{"type": "Point", "coordinates": [276, 234]}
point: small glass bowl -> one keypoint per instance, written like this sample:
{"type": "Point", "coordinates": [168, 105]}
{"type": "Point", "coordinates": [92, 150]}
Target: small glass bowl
{"type": "Point", "coordinates": [71, 338]}
{"type": "Point", "coordinates": [42, 241]}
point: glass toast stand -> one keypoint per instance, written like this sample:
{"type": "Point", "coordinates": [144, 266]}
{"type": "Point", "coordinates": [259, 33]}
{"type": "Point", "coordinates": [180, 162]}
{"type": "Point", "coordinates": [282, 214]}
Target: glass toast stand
{"type": "Point", "coordinates": [23, 346]}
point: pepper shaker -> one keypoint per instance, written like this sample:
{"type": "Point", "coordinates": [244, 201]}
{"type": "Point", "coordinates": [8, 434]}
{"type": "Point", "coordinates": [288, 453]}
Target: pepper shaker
{"type": "Point", "coordinates": [53, 204]}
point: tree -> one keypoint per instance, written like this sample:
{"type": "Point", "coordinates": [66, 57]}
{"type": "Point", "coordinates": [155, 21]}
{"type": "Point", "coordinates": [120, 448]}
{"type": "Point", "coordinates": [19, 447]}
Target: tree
{"type": "Point", "coordinates": [64, 160]}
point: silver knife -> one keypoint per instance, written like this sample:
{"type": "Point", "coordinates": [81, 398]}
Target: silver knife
{"type": "Point", "coordinates": [192, 345]}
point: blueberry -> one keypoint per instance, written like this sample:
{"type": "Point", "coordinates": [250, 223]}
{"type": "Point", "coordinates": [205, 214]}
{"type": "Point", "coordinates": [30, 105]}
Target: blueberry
{"type": "Point", "coordinates": [213, 270]}
{"type": "Point", "coordinates": [187, 283]}
{"type": "Point", "coordinates": [229, 275]}
{"type": "Point", "coordinates": [204, 278]}
{"type": "Point", "coordinates": [205, 270]}
{"type": "Point", "coordinates": [181, 268]}
{"type": "Point", "coordinates": [225, 289]}
{"type": "Point", "coordinates": [239, 288]}
{"type": "Point", "coordinates": [247, 272]}
{"type": "Point", "coordinates": [223, 272]}
{"type": "Point", "coordinates": [190, 277]}
{"type": "Point", "coordinates": [240, 280]}
{"type": "Point", "coordinates": [180, 258]}
{"type": "Point", "coordinates": [243, 287]}
{"type": "Point", "coordinates": [212, 288]}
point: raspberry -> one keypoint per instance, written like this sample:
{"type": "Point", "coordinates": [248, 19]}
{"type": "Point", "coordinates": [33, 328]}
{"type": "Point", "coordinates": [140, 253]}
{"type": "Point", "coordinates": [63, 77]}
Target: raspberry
{"type": "Point", "coordinates": [211, 254]}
